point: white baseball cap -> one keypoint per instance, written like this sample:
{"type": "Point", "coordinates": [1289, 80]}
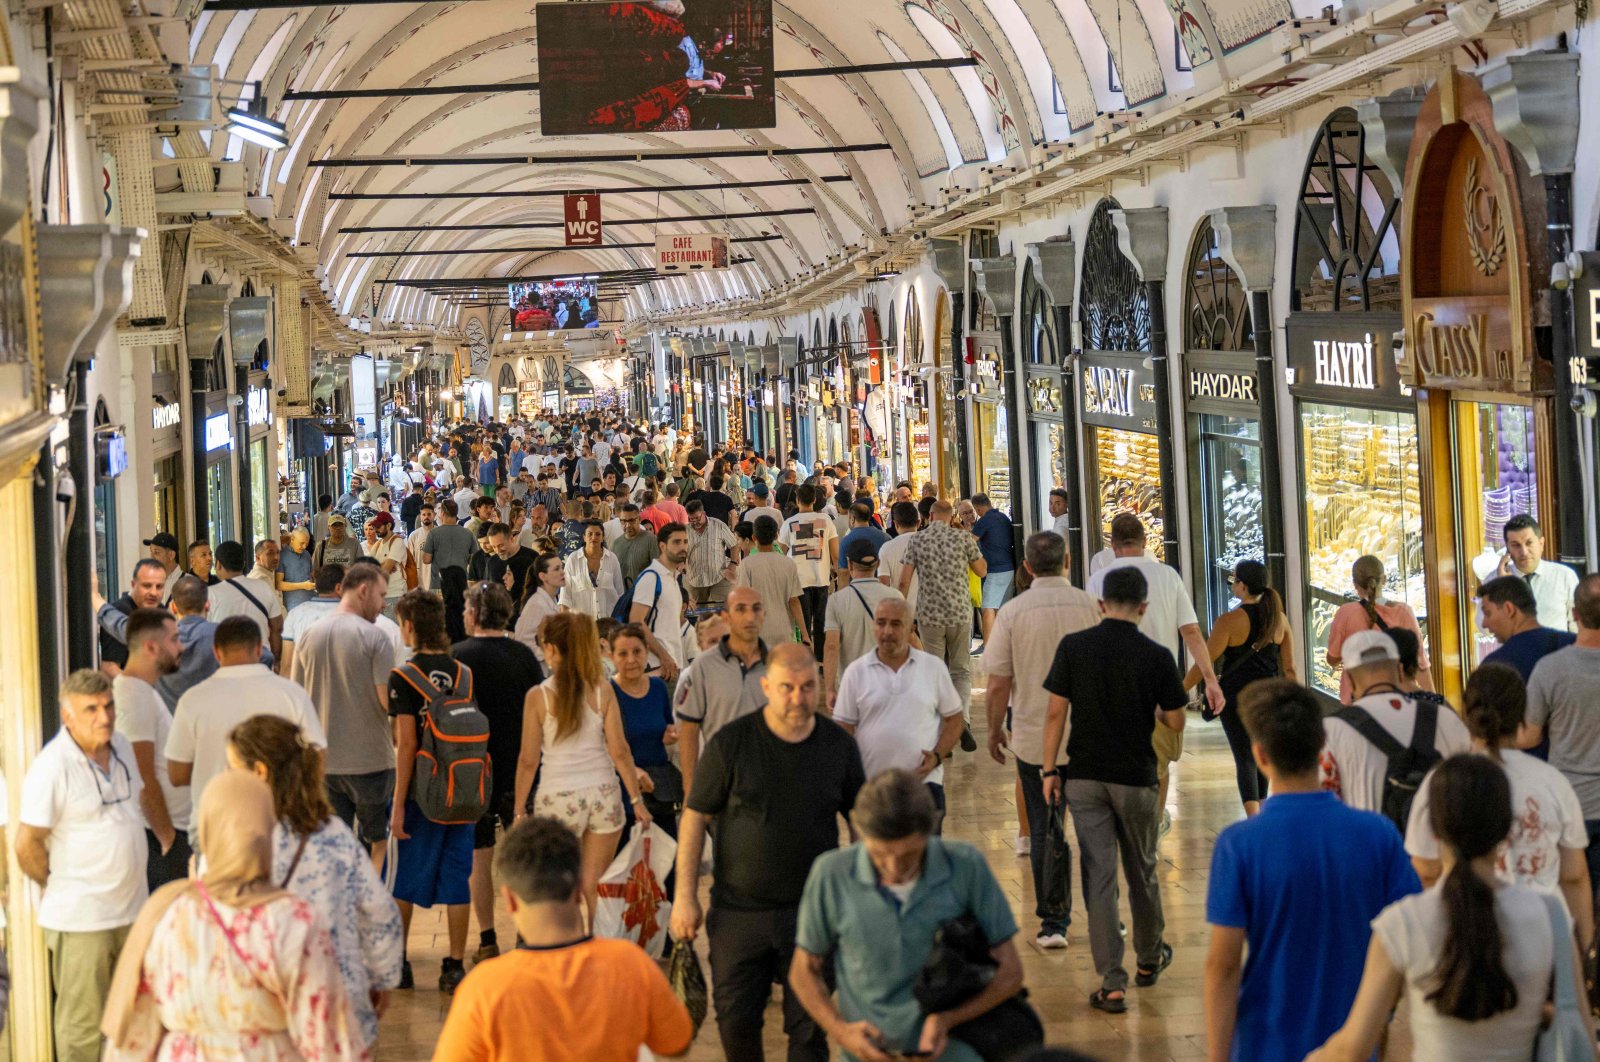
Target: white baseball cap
{"type": "Point", "coordinates": [1368, 647]}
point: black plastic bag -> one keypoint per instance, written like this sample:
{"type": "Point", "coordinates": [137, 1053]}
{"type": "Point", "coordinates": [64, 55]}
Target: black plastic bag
{"type": "Point", "coordinates": [688, 982]}
{"type": "Point", "coordinates": [957, 968]}
{"type": "Point", "coordinates": [1055, 888]}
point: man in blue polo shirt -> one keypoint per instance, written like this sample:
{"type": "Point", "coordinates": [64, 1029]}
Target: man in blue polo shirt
{"type": "Point", "coordinates": [1300, 884]}
{"type": "Point", "coordinates": [993, 529]}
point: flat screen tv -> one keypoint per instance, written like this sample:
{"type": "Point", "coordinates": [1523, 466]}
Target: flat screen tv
{"type": "Point", "coordinates": [657, 65]}
{"type": "Point", "coordinates": [554, 305]}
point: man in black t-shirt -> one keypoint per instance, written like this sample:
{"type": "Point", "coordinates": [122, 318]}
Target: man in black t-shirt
{"type": "Point", "coordinates": [716, 503]}
{"type": "Point", "coordinates": [505, 670]}
{"type": "Point", "coordinates": [776, 781]}
{"type": "Point", "coordinates": [1110, 778]}
{"type": "Point", "coordinates": [508, 562]}
{"type": "Point", "coordinates": [433, 860]}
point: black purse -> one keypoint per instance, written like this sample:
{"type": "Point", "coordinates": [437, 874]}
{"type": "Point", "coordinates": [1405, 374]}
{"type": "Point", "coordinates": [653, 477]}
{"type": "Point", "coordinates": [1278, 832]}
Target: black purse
{"type": "Point", "coordinates": [959, 967]}
{"type": "Point", "coordinates": [668, 783]}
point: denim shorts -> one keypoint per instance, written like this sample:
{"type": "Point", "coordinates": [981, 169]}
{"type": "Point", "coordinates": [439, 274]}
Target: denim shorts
{"type": "Point", "coordinates": [995, 588]}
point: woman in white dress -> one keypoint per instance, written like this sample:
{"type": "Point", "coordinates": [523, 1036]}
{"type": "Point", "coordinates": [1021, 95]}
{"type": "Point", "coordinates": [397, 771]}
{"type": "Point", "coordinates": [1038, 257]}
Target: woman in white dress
{"type": "Point", "coordinates": [1473, 955]}
{"type": "Point", "coordinates": [594, 575]}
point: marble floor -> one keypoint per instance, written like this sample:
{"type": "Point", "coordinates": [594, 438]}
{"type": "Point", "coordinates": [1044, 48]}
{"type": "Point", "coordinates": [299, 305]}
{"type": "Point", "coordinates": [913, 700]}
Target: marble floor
{"type": "Point", "coordinates": [1163, 1022]}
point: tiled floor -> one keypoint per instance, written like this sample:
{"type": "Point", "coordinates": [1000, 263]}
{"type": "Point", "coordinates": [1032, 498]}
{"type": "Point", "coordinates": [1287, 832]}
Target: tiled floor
{"type": "Point", "coordinates": [1164, 1022]}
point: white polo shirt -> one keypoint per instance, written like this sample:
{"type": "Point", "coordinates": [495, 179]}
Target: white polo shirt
{"type": "Point", "coordinates": [208, 712]}
{"type": "Point", "coordinates": [228, 599]}
{"type": "Point", "coordinates": [897, 714]}
{"type": "Point", "coordinates": [1168, 605]}
{"type": "Point", "coordinates": [97, 845]}
{"type": "Point", "coordinates": [143, 716]}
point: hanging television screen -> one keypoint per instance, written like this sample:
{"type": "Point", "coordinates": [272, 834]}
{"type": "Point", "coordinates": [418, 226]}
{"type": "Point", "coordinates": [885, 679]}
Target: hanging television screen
{"type": "Point", "coordinates": [657, 65]}
{"type": "Point", "coordinates": [554, 305]}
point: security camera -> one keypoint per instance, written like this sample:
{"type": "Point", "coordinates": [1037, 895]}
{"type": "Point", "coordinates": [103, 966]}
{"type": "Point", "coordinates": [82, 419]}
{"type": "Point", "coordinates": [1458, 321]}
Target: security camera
{"type": "Point", "coordinates": [1584, 404]}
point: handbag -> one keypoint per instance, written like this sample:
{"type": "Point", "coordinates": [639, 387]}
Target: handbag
{"type": "Point", "coordinates": [958, 967]}
{"type": "Point", "coordinates": [1567, 1037]}
{"type": "Point", "coordinates": [1056, 892]}
{"type": "Point", "coordinates": [668, 783]}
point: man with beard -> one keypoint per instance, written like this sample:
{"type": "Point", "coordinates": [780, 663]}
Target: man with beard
{"type": "Point", "coordinates": [144, 719]}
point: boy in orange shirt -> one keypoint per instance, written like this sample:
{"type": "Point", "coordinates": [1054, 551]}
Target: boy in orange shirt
{"type": "Point", "coordinates": [561, 993]}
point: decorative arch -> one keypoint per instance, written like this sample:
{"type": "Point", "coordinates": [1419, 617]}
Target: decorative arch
{"type": "Point", "coordinates": [1114, 304]}
{"type": "Point", "coordinates": [1216, 308]}
{"type": "Point", "coordinates": [1038, 335]}
{"type": "Point", "coordinates": [1346, 235]}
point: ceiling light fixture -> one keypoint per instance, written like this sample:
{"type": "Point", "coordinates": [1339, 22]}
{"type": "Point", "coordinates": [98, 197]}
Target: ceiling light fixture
{"type": "Point", "coordinates": [249, 121]}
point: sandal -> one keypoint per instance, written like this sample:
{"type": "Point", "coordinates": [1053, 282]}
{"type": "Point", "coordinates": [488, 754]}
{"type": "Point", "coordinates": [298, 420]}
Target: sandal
{"type": "Point", "coordinates": [1103, 1000]}
{"type": "Point", "coordinates": [1144, 977]}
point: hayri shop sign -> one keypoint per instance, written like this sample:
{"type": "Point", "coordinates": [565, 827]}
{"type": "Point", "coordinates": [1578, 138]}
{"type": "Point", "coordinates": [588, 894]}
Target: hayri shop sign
{"type": "Point", "coordinates": [1342, 364]}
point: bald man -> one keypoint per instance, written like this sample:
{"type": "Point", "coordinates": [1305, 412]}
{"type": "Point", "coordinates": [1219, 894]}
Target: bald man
{"type": "Point", "coordinates": [723, 682]}
{"type": "Point", "coordinates": [795, 774]}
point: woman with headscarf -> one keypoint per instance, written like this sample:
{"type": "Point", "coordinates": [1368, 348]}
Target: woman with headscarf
{"type": "Point", "coordinates": [229, 965]}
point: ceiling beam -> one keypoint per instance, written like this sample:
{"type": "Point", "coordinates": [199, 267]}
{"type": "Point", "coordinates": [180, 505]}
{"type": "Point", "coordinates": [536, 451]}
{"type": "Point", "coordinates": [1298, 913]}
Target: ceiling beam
{"type": "Point", "coordinates": [534, 250]}
{"type": "Point", "coordinates": [495, 87]}
{"type": "Point", "coordinates": [589, 159]}
{"type": "Point", "coordinates": [710, 186]}
{"type": "Point", "coordinates": [609, 223]}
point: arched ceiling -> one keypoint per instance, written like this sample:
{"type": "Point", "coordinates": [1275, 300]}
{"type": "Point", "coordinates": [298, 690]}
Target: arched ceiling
{"type": "Point", "coordinates": [1040, 71]}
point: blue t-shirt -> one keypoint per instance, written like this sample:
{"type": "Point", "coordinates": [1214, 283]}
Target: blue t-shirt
{"type": "Point", "coordinates": [644, 721]}
{"type": "Point", "coordinates": [1304, 879]}
{"type": "Point", "coordinates": [866, 531]}
{"type": "Point", "coordinates": [517, 457]}
{"type": "Point", "coordinates": [994, 541]}
{"type": "Point", "coordinates": [489, 472]}
{"type": "Point", "coordinates": [1523, 651]}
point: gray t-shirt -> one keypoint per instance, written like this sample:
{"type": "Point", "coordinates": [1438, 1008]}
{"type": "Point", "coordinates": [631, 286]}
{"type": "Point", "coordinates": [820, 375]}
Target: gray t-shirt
{"type": "Point", "coordinates": [1562, 694]}
{"type": "Point", "coordinates": [851, 612]}
{"type": "Point", "coordinates": [450, 546]}
{"type": "Point", "coordinates": [774, 578]}
{"type": "Point", "coordinates": [634, 554]}
{"type": "Point", "coordinates": [341, 661]}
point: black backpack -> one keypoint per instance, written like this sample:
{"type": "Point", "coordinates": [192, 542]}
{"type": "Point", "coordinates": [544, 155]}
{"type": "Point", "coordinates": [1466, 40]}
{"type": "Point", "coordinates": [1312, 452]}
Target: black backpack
{"type": "Point", "coordinates": [452, 780]}
{"type": "Point", "coordinates": [1408, 764]}
{"type": "Point", "coordinates": [622, 611]}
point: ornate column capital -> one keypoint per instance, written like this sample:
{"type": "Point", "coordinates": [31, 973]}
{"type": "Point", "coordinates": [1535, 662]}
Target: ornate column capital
{"type": "Point", "coordinates": [1247, 239]}
{"type": "Point", "coordinates": [1055, 268]}
{"type": "Point", "coordinates": [1142, 239]}
{"type": "Point", "coordinates": [995, 281]}
{"type": "Point", "coordinates": [1388, 122]}
{"type": "Point", "coordinates": [1535, 99]}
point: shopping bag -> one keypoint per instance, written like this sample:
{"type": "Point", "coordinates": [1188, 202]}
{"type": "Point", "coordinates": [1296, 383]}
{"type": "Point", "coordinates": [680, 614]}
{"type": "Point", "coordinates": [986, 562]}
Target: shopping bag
{"type": "Point", "coordinates": [633, 905]}
{"type": "Point", "coordinates": [688, 982]}
{"type": "Point", "coordinates": [1055, 885]}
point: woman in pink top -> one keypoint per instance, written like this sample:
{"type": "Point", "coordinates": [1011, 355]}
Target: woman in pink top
{"type": "Point", "coordinates": [1371, 610]}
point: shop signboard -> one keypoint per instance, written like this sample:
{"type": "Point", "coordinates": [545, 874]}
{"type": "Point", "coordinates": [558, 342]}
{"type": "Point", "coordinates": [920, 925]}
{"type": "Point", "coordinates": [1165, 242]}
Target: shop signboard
{"type": "Point", "coordinates": [219, 432]}
{"type": "Point", "coordinates": [1117, 391]}
{"type": "Point", "coordinates": [258, 407]}
{"type": "Point", "coordinates": [1045, 401]}
{"type": "Point", "coordinates": [167, 415]}
{"type": "Point", "coordinates": [1222, 382]}
{"type": "Point", "coordinates": [691, 252]}
{"type": "Point", "coordinates": [1583, 370]}
{"type": "Point", "coordinates": [1345, 358]}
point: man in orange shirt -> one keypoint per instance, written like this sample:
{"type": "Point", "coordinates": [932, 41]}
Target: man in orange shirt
{"type": "Point", "coordinates": [561, 993]}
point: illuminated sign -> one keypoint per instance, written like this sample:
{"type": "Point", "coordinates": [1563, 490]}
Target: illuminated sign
{"type": "Point", "coordinates": [1229, 386]}
{"type": "Point", "coordinates": [167, 416]}
{"type": "Point", "coordinates": [1108, 391]}
{"type": "Point", "coordinates": [1341, 364]}
{"type": "Point", "coordinates": [258, 407]}
{"type": "Point", "coordinates": [219, 434]}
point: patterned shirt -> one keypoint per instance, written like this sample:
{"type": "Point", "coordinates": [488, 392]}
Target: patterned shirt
{"type": "Point", "coordinates": [708, 553]}
{"type": "Point", "coordinates": [942, 556]}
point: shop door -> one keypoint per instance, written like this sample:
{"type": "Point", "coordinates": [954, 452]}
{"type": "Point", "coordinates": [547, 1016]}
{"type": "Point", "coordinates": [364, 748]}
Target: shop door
{"type": "Point", "coordinates": [219, 500]}
{"type": "Point", "coordinates": [1230, 504]}
{"type": "Point", "coordinates": [263, 496]}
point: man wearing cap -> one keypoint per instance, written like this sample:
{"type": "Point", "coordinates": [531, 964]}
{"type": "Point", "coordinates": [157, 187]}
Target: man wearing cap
{"type": "Point", "coordinates": [339, 547]}
{"type": "Point", "coordinates": [1354, 768]}
{"type": "Point", "coordinates": [164, 549]}
{"type": "Point", "coordinates": [756, 504]}
{"type": "Point", "coordinates": [848, 632]}
{"type": "Point", "coordinates": [389, 550]}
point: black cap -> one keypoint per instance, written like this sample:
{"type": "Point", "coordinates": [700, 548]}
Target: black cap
{"type": "Point", "coordinates": [862, 551]}
{"type": "Point", "coordinates": [164, 539]}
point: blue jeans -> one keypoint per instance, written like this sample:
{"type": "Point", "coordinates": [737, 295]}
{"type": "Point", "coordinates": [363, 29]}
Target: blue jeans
{"type": "Point", "coordinates": [1038, 826]}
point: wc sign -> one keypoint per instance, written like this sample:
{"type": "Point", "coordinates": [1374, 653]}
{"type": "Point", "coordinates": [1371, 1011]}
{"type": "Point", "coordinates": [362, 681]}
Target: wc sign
{"type": "Point", "coordinates": [583, 219]}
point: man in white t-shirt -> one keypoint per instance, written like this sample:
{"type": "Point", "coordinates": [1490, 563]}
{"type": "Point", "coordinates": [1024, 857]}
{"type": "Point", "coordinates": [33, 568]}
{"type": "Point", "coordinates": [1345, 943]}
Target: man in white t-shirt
{"type": "Point", "coordinates": [657, 589]}
{"type": "Point", "coordinates": [238, 595]}
{"type": "Point", "coordinates": [80, 836]}
{"type": "Point", "coordinates": [900, 704]}
{"type": "Point", "coordinates": [385, 546]}
{"type": "Point", "coordinates": [1169, 620]}
{"type": "Point", "coordinates": [414, 541]}
{"type": "Point", "coordinates": [1060, 522]}
{"type": "Point", "coordinates": [892, 554]}
{"type": "Point", "coordinates": [145, 720]}
{"type": "Point", "coordinates": [813, 544]}
{"type": "Point", "coordinates": [1354, 768]}
{"type": "Point", "coordinates": [197, 747]}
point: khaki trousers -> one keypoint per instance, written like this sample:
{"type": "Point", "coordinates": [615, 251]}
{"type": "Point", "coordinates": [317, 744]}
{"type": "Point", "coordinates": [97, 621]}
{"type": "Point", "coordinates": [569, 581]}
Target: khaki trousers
{"type": "Point", "coordinates": [80, 969]}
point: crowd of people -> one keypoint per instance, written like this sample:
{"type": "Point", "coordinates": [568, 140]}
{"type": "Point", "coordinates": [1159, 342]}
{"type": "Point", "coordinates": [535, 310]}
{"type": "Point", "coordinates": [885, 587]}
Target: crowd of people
{"type": "Point", "coordinates": [463, 681]}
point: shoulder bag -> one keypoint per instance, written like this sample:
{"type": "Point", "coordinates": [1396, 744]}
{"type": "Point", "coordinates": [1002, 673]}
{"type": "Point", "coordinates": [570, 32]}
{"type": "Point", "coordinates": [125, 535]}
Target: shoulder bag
{"type": "Point", "coordinates": [1567, 1037]}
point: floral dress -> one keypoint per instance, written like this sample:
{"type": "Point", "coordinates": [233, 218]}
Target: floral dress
{"type": "Point", "coordinates": [336, 877]}
{"type": "Point", "coordinates": [199, 1002]}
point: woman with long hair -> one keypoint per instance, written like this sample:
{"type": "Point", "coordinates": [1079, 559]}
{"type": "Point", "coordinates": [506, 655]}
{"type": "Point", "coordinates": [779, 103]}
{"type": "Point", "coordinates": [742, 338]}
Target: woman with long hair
{"type": "Point", "coordinates": [572, 728]}
{"type": "Point", "coordinates": [594, 575]}
{"type": "Point", "coordinates": [229, 965]}
{"type": "Point", "coordinates": [647, 722]}
{"type": "Point", "coordinates": [1248, 643]}
{"type": "Point", "coordinates": [1367, 611]}
{"type": "Point", "coordinates": [317, 858]}
{"type": "Point", "coordinates": [1545, 850]}
{"type": "Point", "coordinates": [1473, 954]}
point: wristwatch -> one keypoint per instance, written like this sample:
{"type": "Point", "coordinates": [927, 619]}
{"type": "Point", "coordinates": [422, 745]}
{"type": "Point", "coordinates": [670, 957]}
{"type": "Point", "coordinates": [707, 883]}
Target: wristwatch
{"type": "Point", "coordinates": [1051, 773]}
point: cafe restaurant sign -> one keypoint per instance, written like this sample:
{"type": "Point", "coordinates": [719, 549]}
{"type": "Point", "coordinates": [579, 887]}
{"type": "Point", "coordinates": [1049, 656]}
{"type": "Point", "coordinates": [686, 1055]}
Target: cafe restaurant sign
{"type": "Point", "coordinates": [1468, 269]}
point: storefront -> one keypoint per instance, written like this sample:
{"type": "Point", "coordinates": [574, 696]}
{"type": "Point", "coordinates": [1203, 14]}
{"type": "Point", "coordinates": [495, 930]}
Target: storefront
{"type": "Point", "coordinates": [1045, 403]}
{"type": "Point", "coordinates": [1485, 401]}
{"type": "Point", "coordinates": [508, 393]}
{"type": "Point", "coordinates": [1127, 448]}
{"type": "Point", "coordinates": [110, 462]}
{"type": "Point", "coordinates": [1222, 392]}
{"type": "Point", "coordinates": [528, 399]}
{"type": "Point", "coordinates": [264, 499]}
{"type": "Point", "coordinates": [218, 462]}
{"type": "Point", "coordinates": [1355, 421]}
{"type": "Point", "coordinates": [991, 417]}
{"type": "Point", "coordinates": [167, 480]}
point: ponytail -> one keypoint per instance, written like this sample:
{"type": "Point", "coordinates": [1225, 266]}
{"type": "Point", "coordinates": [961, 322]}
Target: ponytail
{"type": "Point", "coordinates": [1493, 704]}
{"type": "Point", "coordinates": [1368, 576]}
{"type": "Point", "coordinates": [1271, 611]}
{"type": "Point", "coordinates": [1470, 810]}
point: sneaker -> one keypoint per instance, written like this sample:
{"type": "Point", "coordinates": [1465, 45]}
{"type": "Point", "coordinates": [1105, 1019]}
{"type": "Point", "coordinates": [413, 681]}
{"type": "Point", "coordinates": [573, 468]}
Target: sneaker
{"type": "Point", "coordinates": [1050, 941]}
{"type": "Point", "coordinates": [487, 951]}
{"type": "Point", "coordinates": [1024, 846]}
{"type": "Point", "coordinates": [968, 742]}
{"type": "Point", "coordinates": [1166, 825]}
{"type": "Point", "coordinates": [451, 973]}
{"type": "Point", "coordinates": [406, 980]}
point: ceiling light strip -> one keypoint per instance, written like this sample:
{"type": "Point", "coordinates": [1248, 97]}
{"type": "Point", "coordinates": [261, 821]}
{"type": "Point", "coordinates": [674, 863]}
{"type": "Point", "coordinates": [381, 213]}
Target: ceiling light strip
{"type": "Point", "coordinates": [609, 156]}
{"type": "Point", "coordinates": [611, 223]}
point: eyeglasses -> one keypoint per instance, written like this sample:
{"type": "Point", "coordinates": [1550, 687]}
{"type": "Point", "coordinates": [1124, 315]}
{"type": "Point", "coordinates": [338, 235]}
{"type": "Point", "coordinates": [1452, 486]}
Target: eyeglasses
{"type": "Point", "coordinates": [127, 779]}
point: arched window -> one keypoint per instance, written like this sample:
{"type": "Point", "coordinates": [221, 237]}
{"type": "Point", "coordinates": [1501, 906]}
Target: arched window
{"type": "Point", "coordinates": [1038, 326]}
{"type": "Point", "coordinates": [893, 338]}
{"type": "Point", "coordinates": [1216, 306]}
{"type": "Point", "coordinates": [913, 332]}
{"type": "Point", "coordinates": [1346, 247]}
{"type": "Point", "coordinates": [1114, 304]}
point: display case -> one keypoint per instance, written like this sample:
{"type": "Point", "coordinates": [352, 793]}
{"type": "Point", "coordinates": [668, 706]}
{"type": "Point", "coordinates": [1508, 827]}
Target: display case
{"type": "Point", "coordinates": [1127, 470]}
{"type": "Point", "coordinates": [1362, 496]}
{"type": "Point", "coordinates": [1232, 521]}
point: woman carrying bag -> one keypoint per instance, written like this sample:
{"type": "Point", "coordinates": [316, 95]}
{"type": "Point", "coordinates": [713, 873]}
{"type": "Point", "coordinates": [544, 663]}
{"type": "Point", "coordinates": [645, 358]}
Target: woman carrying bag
{"type": "Point", "coordinates": [1369, 610]}
{"type": "Point", "coordinates": [229, 965]}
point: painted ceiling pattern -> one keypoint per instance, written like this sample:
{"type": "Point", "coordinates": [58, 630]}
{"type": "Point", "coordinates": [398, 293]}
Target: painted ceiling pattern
{"type": "Point", "coordinates": [1038, 72]}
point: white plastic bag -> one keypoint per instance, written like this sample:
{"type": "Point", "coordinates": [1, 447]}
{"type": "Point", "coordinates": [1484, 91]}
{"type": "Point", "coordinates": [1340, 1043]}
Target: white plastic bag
{"type": "Point", "coordinates": [633, 901]}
